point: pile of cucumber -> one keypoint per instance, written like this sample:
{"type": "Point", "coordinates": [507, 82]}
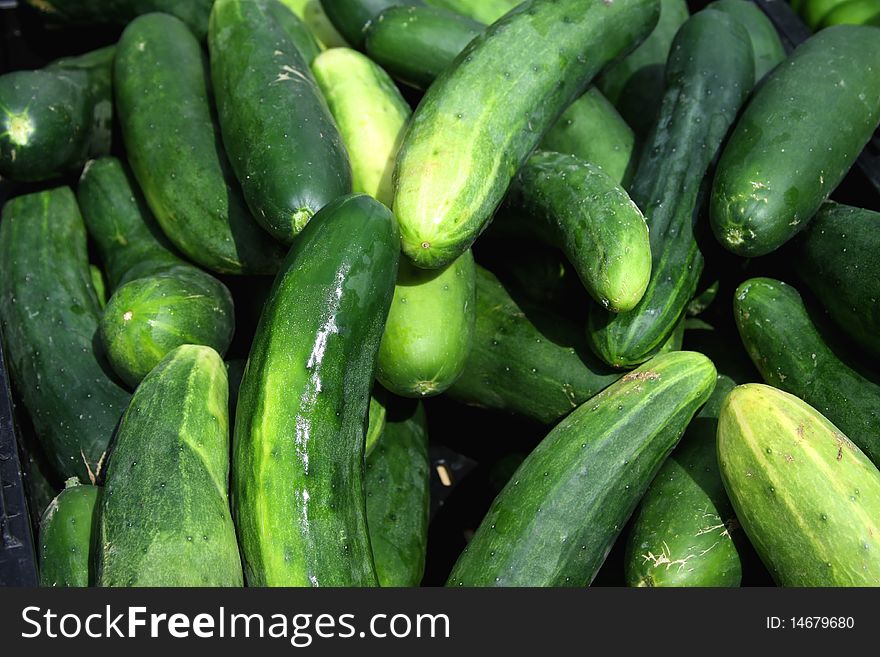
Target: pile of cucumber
{"type": "Point", "coordinates": [260, 256]}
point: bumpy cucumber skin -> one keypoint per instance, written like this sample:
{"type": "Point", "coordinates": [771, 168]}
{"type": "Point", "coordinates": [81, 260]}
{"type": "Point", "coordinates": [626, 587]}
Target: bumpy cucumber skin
{"type": "Point", "coordinates": [49, 314]}
{"type": "Point", "coordinates": [526, 360]}
{"type": "Point", "coordinates": [484, 11]}
{"type": "Point", "coordinates": [376, 418]}
{"type": "Point", "coordinates": [282, 141]}
{"type": "Point", "coordinates": [681, 532]}
{"type": "Point", "coordinates": [416, 44]}
{"type": "Point", "coordinates": [592, 130]}
{"type": "Point", "coordinates": [370, 113]}
{"type": "Point", "coordinates": [298, 451]}
{"type": "Point", "coordinates": [66, 536]}
{"type": "Point", "coordinates": [398, 497]}
{"type": "Point", "coordinates": [808, 499]}
{"type": "Point", "coordinates": [149, 317]}
{"type": "Point", "coordinates": [129, 240]}
{"type": "Point", "coordinates": [429, 330]}
{"type": "Point", "coordinates": [837, 257]}
{"type": "Point", "coordinates": [700, 103]}
{"type": "Point", "coordinates": [161, 89]}
{"type": "Point", "coordinates": [768, 313]}
{"type": "Point", "coordinates": [579, 208]}
{"type": "Point", "coordinates": [766, 44]}
{"type": "Point", "coordinates": [164, 513]}
{"type": "Point", "coordinates": [782, 160]}
{"type": "Point", "coordinates": [352, 17]}
{"type": "Point", "coordinates": [556, 519]}
{"type": "Point", "coordinates": [481, 119]}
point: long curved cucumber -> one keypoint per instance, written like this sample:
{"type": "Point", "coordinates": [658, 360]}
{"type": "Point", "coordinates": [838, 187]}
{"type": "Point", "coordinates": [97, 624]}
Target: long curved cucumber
{"type": "Point", "coordinates": [478, 123]}
{"type": "Point", "coordinates": [808, 499]}
{"type": "Point", "coordinates": [766, 44]}
{"type": "Point", "coordinates": [417, 358]}
{"type": "Point", "coordinates": [837, 257]}
{"type": "Point", "coordinates": [556, 519]}
{"type": "Point", "coordinates": [709, 75]}
{"type": "Point", "coordinates": [66, 532]}
{"type": "Point", "coordinates": [282, 141]}
{"type": "Point", "coordinates": [782, 161]}
{"type": "Point", "coordinates": [165, 518]}
{"type": "Point", "coordinates": [298, 452]}
{"type": "Point", "coordinates": [768, 313]}
{"type": "Point", "coordinates": [174, 149]}
{"type": "Point", "coordinates": [398, 497]}
{"type": "Point", "coordinates": [49, 314]}
{"type": "Point", "coordinates": [578, 207]}
{"type": "Point", "coordinates": [682, 532]}
{"type": "Point", "coordinates": [352, 17]}
{"type": "Point", "coordinates": [371, 115]}
{"type": "Point", "coordinates": [525, 359]}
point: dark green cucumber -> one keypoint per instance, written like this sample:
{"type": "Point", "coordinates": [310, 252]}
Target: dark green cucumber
{"type": "Point", "coordinates": [578, 207]}
{"type": "Point", "coordinates": [174, 149]}
{"type": "Point", "coordinates": [682, 531]}
{"type": "Point", "coordinates": [556, 519]}
{"type": "Point", "coordinates": [484, 11]}
{"type": "Point", "coordinates": [676, 338]}
{"type": "Point", "coordinates": [352, 17]}
{"type": "Point", "coordinates": [49, 314]}
{"type": "Point", "coordinates": [766, 44]}
{"type": "Point", "coordinates": [398, 496]}
{"type": "Point", "coordinates": [192, 12]}
{"type": "Point", "coordinates": [163, 302]}
{"type": "Point", "coordinates": [416, 44]}
{"type": "Point", "coordinates": [66, 528]}
{"type": "Point", "coordinates": [297, 31]}
{"type": "Point", "coordinates": [837, 257]}
{"type": "Point", "coordinates": [526, 360]}
{"type": "Point", "coordinates": [298, 452]}
{"type": "Point", "coordinates": [53, 119]}
{"type": "Point", "coordinates": [164, 515]}
{"type": "Point", "coordinates": [635, 84]}
{"type": "Point", "coordinates": [592, 130]}
{"type": "Point", "coordinates": [783, 160]}
{"type": "Point", "coordinates": [371, 115]}
{"type": "Point", "coordinates": [768, 314]}
{"type": "Point", "coordinates": [482, 118]}
{"type": "Point", "coordinates": [282, 141]}
{"type": "Point", "coordinates": [417, 358]}
{"type": "Point", "coordinates": [709, 75]}
{"type": "Point", "coordinates": [808, 499]}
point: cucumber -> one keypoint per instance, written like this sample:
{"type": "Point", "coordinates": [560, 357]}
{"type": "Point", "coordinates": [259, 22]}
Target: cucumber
{"type": "Point", "coordinates": [164, 515]}
{"type": "Point", "coordinates": [376, 418]}
{"type": "Point", "coordinates": [709, 75]}
{"type": "Point", "coordinates": [415, 358]}
{"type": "Point", "coordinates": [676, 338]}
{"type": "Point", "coordinates": [119, 12]}
{"type": "Point", "coordinates": [478, 123]}
{"type": "Point", "coordinates": [66, 536]}
{"type": "Point", "coordinates": [782, 161]}
{"type": "Point", "coordinates": [49, 316]}
{"type": "Point", "coordinates": [766, 44]}
{"type": "Point", "coordinates": [681, 534]}
{"type": "Point", "coordinates": [526, 359]}
{"type": "Point", "coordinates": [398, 497]}
{"type": "Point", "coordinates": [484, 11]}
{"type": "Point", "coordinates": [281, 139]}
{"type": "Point", "coordinates": [297, 31]}
{"type": "Point", "coordinates": [416, 44]}
{"type": "Point", "coordinates": [370, 113]}
{"type": "Point", "coordinates": [312, 14]}
{"type": "Point", "coordinates": [161, 89]}
{"type": "Point", "coordinates": [556, 519]}
{"type": "Point", "coordinates": [98, 283]}
{"type": "Point", "coordinates": [853, 12]}
{"type": "Point", "coordinates": [768, 313]}
{"type": "Point", "coordinates": [164, 301]}
{"type": "Point", "coordinates": [635, 83]}
{"type": "Point", "coordinates": [298, 451]}
{"type": "Point", "coordinates": [352, 17]}
{"type": "Point", "coordinates": [592, 130]}
{"type": "Point", "coordinates": [578, 207]}
{"type": "Point", "coordinates": [773, 448]}
{"type": "Point", "coordinates": [816, 10]}
{"type": "Point", "coordinates": [836, 255]}
{"type": "Point", "coordinates": [53, 119]}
